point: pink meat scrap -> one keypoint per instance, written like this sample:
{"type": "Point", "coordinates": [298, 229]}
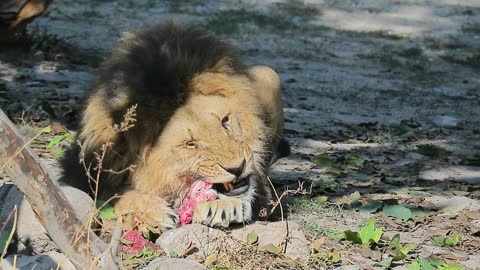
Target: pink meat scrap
{"type": "Point", "coordinates": [137, 243]}
{"type": "Point", "coordinates": [199, 192]}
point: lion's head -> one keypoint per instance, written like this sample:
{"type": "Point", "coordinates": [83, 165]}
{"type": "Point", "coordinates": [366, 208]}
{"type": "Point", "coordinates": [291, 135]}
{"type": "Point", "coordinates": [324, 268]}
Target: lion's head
{"type": "Point", "coordinates": [217, 136]}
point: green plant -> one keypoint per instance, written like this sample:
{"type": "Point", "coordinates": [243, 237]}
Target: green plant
{"type": "Point", "coordinates": [432, 264]}
{"type": "Point", "coordinates": [447, 240]}
{"type": "Point", "coordinates": [368, 234]}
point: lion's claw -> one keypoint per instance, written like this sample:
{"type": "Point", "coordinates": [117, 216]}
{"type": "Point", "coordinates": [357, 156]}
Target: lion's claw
{"type": "Point", "coordinates": [219, 213]}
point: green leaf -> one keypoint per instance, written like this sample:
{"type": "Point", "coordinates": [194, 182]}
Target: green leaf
{"type": "Point", "coordinates": [271, 248]}
{"type": "Point", "coordinates": [471, 162]}
{"type": "Point", "coordinates": [210, 260]}
{"type": "Point", "coordinates": [334, 233]}
{"type": "Point", "coordinates": [329, 258]}
{"type": "Point", "coordinates": [58, 153]}
{"type": "Point", "coordinates": [353, 237]}
{"type": "Point", "coordinates": [58, 139]}
{"type": "Point", "coordinates": [354, 197]}
{"type": "Point", "coordinates": [105, 212]}
{"type": "Point", "coordinates": [460, 192]}
{"type": "Point", "coordinates": [371, 207]}
{"type": "Point", "coordinates": [369, 234]}
{"type": "Point", "coordinates": [321, 198]}
{"type": "Point", "coordinates": [435, 262]}
{"type": "Point", "coordinates": [417, 213]}
{"type": "Point", "coordinates": [173, 254]}
{"type": "Point", "coordinates": [125, 241]}
{"type": "Point", "coordinates": [394, 181]}
{"type": "Point", "coordinates": [385, 263]}
{"type": "Point", "coordinates": [323, 160]}
{"type": "Point", "coordinates": [402, 252]}
{"type": "Point", "coordinates": [355, 160]}
{"type": "Point", "coordinates": [335, 170]}
{"type": "Point", "coordinates": [451, 267]}
{"type": "Point", "coordinates": [252, 238]}
{"type": "Point", "coordinates": [446, 241]}
{"type": "Point", "coordinates": [320, 183]}
{"type": "Point", "coordinates": [433, 151]}
{"type": "Point", "coordinates": [359, 176]}
{"type": "Point", "coordinates": [425, 264]}
{"type": "Point", "coordinates": [46, 129]}
{"type": "Point", "coordinates": [398, 211]}
{"type": "Point", "coordinates": [407, 248]}
{"type": "Point", "coordinates": [395, 242]}
{"type": "Point", "coordinates": [438, 241]}
{"type": "Point", "coordinates": [415, 265]}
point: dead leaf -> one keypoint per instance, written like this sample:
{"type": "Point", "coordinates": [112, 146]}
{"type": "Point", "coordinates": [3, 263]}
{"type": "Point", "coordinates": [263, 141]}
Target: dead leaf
{"type": "Point", "coordinates": [475, 215]}
{"type": "Point", "coordinates": [271, 248]}
{"type": "Point", "coordinates": [58, 128]}
{"type": "Point", "coordinates": [375, 255]}
{"type": "Point", "coordinates": [210, 260]}
{"type": "Point", "coordinates": [368, 183]}
{"type": "Point", "coordinates": [318, 243]}
{"type": "Point", "coordinates": [191, 248]}
{"type": "Point", "coordinates": [454, 258]}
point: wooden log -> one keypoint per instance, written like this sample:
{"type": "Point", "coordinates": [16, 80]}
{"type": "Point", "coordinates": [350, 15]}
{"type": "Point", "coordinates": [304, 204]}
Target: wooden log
{"type": "Point", "coordinates": [50, 205]}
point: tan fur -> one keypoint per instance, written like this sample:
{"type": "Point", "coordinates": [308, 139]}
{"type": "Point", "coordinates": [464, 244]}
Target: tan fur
{"type": "Point", "coordinates": [98, 126]}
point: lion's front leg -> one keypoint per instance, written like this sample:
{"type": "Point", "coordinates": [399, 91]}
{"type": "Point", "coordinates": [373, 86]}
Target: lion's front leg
{"type": "Point", "coordinates": [219, 213]}
{"type": "Point", "coordinates": [149, 208]}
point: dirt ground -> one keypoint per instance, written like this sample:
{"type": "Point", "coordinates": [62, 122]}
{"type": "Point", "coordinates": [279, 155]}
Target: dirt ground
{"type": "Point", "coordinates": [382, 104]}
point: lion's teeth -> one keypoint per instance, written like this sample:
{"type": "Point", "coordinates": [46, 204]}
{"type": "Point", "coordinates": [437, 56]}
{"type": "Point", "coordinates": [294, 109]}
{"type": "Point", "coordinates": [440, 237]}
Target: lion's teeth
{"type": "Point", "coordinates": [229, 186]}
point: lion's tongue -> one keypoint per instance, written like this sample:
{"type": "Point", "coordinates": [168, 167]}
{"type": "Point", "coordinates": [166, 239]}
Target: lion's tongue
{"type": "Point", "coordinates": [200, 191]}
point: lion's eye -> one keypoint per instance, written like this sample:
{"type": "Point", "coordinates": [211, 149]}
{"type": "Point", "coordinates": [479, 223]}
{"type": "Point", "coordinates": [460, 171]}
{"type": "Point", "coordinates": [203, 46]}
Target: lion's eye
{"type": "Point", "coordinates": [225, 122]}
{"type": "Point", "coordinates": [191, 144]}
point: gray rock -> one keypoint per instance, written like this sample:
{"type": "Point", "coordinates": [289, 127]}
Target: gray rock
{"type": "Point", "coordinates": [4, 189]}
{"type": "Point", "coordinates": [465, 174]}
{"type": "Point", "coordinates": [30, 233]}
{"type": "Point", "coordinates": [46, 261]}
{"type": "Point", "coordinates": [206, 239]}
{"type": "Point", "coordinates": [298, 247]}
{"type": "Point", "coordinates": [174, 264]}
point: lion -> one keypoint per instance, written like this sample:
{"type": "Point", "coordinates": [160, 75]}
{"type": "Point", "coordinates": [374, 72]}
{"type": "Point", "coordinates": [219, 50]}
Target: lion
{"type": "Point", "coordinates": [201, 113]}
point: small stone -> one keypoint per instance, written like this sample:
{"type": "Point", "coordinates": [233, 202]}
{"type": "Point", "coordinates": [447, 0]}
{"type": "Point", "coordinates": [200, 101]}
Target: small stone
{"type": "Point", "coordinates": [350, 267]}
{"type": "Point", "coordinates": [206, 239]}
{"type": "Point", "coordinates": [446, 122]}
{"type": "Point", "coordinates": [298, 247]}
{"type": "Point", "coordinates": [174, 264]}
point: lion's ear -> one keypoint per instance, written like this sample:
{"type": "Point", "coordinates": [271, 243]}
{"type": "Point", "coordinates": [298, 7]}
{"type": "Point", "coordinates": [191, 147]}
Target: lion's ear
{"type": "Point", "coordinates": [223, 66]}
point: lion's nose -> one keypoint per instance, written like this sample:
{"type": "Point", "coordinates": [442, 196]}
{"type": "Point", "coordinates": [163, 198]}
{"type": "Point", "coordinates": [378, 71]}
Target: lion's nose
{"type": "Point", "coordinates": [239, 170]}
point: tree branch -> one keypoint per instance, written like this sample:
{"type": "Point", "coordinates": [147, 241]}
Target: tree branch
{"type": "Point", "coordinates": [49, 203]}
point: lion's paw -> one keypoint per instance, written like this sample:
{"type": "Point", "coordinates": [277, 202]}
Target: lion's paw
{"type": "Point", "coordinates": [148, 208]}
{"type": "Point", "coordinates": [219, 213]}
